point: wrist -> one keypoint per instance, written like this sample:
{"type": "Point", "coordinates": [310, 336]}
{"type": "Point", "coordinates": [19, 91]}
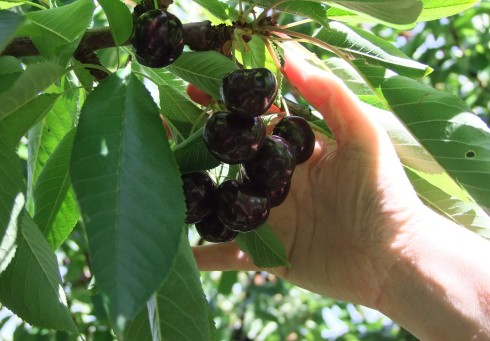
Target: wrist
{"type": "Point", "coordinates": [438, 286]}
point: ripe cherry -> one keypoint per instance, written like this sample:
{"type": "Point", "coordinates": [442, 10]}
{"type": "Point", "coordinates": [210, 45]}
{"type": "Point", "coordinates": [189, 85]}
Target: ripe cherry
{"type": "Point", "coordinates": [298, 132]}
{"type": "Point", "coordinates": [232, 139]}
{"type": "Point", "coordinates": [273, 166]}
{"type": "Point", "coordinates": [249, 93]}
{"type": "Point", "coordinates": [242, 207]}
{"type": "Point", "coordinates": [277, 196]}
{"type": "Point", "coordinates": [212, 230]}
{"type": "Point", "coordinates": [158, 38]}
{"type": "Point", "coordinates": [200, 196]}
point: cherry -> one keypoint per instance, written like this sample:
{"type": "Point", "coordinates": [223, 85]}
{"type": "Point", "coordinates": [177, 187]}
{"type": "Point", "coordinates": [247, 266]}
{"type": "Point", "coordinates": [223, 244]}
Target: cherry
{"type": "Point", "coordinates": [200, 196]}
{"type": "Point", "coordinates": [212, 230]}
{"type": "Point", "coordinates": [249, 93]}
{"type": "Point", "coordinates": [158, 38]}
{"type": "Point", "coordinates": [242, 207]}
{"type": "Point", "coordinates": [273, 166]}
{"type": "Point", "coordinates": [298, 132]}
{"type": "Point", "coordinates": [277, 196]}
{"type": "Point", "coordinates": [232, 139]}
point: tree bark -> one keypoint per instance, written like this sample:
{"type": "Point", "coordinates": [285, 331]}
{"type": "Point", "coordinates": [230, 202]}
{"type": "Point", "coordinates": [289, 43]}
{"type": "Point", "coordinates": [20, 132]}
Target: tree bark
{"type": "Point", "coordinates": [199, 36]}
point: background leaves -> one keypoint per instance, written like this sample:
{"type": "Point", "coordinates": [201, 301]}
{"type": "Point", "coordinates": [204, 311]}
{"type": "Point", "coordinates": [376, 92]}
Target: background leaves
{"type": "Point", "coordinates": [31, 285]}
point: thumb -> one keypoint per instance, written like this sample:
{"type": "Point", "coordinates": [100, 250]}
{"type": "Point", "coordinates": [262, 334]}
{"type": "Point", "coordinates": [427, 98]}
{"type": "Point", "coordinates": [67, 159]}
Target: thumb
{"type": "Point", "coordinates": [340, 108]}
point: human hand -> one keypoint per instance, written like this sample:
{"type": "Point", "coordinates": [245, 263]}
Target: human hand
{"type": "Point", "coordinates": [350, 208]}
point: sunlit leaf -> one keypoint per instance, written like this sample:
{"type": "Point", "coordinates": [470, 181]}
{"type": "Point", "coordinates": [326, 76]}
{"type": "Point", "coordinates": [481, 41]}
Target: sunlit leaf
{"type": "Point", "coordinates": [447, 128]}
{"type": "Point", "coordinates": [374, 50]}
{"type": "Point", "coordinates": [401, 12]}
{"type": "Point", "coordinates": [50, 192]}
{"type": "Point", "coordinates": [432, 10]}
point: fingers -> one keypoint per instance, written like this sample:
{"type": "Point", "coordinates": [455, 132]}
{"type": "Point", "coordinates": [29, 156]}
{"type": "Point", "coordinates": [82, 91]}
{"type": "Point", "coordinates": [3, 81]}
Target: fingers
{"type": "Point", "coordinates": [222, 257]}
{"type": "Point", "coordinates": [340, 108]}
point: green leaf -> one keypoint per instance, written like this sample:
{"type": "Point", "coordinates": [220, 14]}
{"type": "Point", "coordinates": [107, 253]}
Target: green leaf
{"type": "Point", "coordinates": [216, 8]}
{"type": "Point", "coordinates": [256, 55]}
{"type": "Point", "coordinates": [31, 82]}
{"type": "Point", "coordinates": [447, 128]}
{"type": "Point", "coordinates": [9, 64]}
{"type": "Point", "coordinates": [9, 4]}
{"type": "Point", "coordinates": [56, 32]}
{"type": "Point", "coordinates": [9, 22]}
{"type": "Point", "coordinates": [178, 310]}
{"type": "Point", "coordinates": [181, 112]}
{"type": "Point", "coordinates": [309, 9]}
{"type": "Point", "coordinates": [50, 192]}
{"type": "Point", "coordinates": [374, 50]}
{"type": "Point", "coordinates": [119, 18]}
{"type": "Point", "coordinates": [437, 9]}
{"type": "Point", "coordinates": [401, 12]}
{"type": "Point", "coordinates": [44, 138]}
{"type": "Point", "coordinates": [31, 286]}
{"type": "Point", "coordinates": [193, 156]}
{"type": "Point", "coordinates": [264, 247]}
{"type": "Point", "coordinates": [432, 10]}
{"type": "Point", "coordinates": [203, 69]}
{"type": "Point", "coordinates": [160, 76]}
{"type": "Point", "coordinates": [441, 193]}
{"type": "Point", "coordinates": [429, 179]}
{"type": "Point", "coordinates": [20, 121]}
{"type": "Point", "coordinates": [130, 194]}
{"type": "Point", "coordinates": [11, 199]}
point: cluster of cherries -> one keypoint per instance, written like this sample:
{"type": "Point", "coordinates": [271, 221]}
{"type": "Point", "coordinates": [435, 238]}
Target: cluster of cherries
{"type": "Point", "coordinates": [238, 136]}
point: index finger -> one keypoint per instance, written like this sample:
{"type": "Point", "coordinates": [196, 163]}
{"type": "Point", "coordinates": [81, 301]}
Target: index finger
{"type": "Point", "coordinates": [340, 108]}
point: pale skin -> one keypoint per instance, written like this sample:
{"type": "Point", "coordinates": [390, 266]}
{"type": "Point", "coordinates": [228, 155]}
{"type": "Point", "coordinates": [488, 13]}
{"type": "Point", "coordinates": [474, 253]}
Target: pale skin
{"type": "Point", "coordinates": [355, 230]}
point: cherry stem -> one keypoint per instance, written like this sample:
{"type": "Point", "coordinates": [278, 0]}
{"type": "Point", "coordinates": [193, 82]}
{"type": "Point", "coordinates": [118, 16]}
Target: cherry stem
{"type": "Point", "coordinates": [296, 23]}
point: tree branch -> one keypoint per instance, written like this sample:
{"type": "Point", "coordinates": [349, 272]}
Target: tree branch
{"type": "Point", "coordinates": [199, 36]}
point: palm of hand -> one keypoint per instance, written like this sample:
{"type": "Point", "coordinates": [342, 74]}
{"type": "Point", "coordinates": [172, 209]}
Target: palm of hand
{"type": "Point", "coordinates": [335, 236]}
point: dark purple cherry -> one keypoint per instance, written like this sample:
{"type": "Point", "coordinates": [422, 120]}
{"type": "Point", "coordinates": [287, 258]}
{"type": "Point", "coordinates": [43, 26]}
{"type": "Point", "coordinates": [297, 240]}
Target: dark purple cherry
{"type": "Point", "coordinates": [298, 132]}
{"type": "Point", "coordinates": [200, 196]}
{"type": "Point", "coordinates": [277, 196]}
{"type": "Point", "coordinates": [273, 166]}
{"type": "Point", "coordinates": [249, 93]}
{"type": "Point", "coordinates": [158, 38]}
{"type": "Point", "coordinates": [232, 139]}
{"type": "Point", "coordinates": [242, 207]}
{"type": "Point", "coordinates": [212, 230]}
